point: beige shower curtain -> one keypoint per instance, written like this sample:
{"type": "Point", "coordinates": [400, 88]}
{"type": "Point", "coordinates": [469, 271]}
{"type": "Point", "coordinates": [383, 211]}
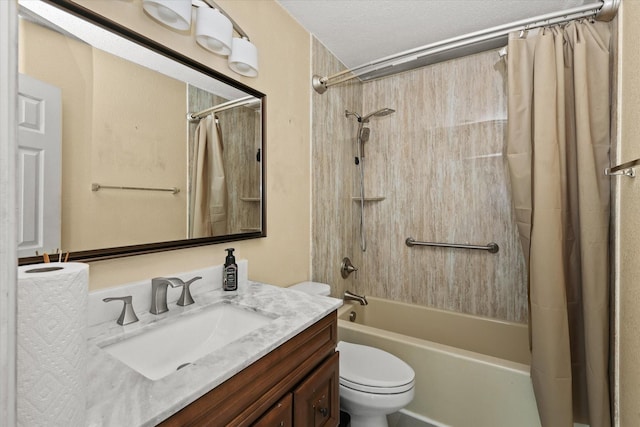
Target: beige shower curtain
{"type": "Point", "coordinates": [209, 189]}
{"type": "Point", "coordinates": [558, 145]}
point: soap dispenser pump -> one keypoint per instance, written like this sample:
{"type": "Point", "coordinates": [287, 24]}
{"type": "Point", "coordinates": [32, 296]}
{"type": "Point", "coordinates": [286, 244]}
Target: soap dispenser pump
{"type": "Point", "coordinates": [230, 272]}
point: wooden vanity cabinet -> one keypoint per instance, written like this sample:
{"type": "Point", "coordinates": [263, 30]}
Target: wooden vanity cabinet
{"type": "Point", "coordinates": [281, 414]}
{"type": "Point", "coordinates": [294, 385]}
{"type": "Point", "coordinates": [316, 402]}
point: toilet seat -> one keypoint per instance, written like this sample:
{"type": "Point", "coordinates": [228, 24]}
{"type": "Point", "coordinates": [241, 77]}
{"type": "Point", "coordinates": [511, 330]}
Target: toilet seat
{"type": "Point", "coordinates": [372, 370]}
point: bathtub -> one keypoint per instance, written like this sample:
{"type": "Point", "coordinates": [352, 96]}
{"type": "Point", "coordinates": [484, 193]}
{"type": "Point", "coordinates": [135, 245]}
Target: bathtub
{"type": "Point", "coordinates": [470, 371]}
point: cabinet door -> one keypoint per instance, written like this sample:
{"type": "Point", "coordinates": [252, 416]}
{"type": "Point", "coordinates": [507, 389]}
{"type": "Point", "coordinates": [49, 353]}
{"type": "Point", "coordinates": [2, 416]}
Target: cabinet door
{"type": "Point", "coordinates": [279, 415]}
{"type": "Point", "coordinates": [316, 402]}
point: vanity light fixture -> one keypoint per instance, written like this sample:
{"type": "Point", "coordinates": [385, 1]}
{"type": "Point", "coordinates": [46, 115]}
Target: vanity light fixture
{"type": "Point", "coordinates": [213, 30]}
{"type": "Point", "coordinates": [173, 13]}
{"type": "Point", "coordinates": [244, 57]}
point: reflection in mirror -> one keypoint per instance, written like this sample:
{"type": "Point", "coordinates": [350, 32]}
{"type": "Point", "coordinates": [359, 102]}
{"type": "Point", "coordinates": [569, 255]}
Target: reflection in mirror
{"type": "Point", "coordinates": [151, 153]}
{"type": "Point", "coordinates": [222, 157]}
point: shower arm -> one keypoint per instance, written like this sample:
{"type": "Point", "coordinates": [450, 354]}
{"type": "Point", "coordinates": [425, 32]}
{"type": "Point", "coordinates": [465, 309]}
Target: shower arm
{"type": "Point", "coordinates": [601, 10]}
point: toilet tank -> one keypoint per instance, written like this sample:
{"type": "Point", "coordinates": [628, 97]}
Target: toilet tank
{"type": "Point", "coordinates": [314, 288]}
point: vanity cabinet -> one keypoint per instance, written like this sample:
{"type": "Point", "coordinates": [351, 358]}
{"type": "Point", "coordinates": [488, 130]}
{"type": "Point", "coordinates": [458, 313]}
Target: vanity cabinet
{"type": "Point", "coordinates": [294, 385]}
{"type": "Point", "coordinates": [316, 401]}
{"type": "Point", "coordinates": [280, 415]}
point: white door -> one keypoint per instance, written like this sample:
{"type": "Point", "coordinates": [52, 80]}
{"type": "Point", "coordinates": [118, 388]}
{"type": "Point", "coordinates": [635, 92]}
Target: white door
{"type": "Point", "coordinates": [39, 166]}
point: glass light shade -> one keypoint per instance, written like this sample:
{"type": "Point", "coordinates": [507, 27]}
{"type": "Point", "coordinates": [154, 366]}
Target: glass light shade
{"type": "Point", "coordinates": [214, 31]}
{"type": "Point", "coordinates": [174, 13]}
{"type": "Point", "coordinates": [244, 57]}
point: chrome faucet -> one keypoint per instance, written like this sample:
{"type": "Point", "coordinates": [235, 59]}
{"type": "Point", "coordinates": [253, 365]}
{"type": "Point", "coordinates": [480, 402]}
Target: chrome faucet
{"type": "Point", "coordinates": [159, 287]}
{"type": "Point", "coordinates": [350, 296]}
{"type": "Point", "coordinates": [127, 316]}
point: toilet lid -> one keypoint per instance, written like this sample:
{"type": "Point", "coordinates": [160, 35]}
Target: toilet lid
{"type": "Point", "coordinates": [373, 370]}
{"type": "Point", "coordinates": [313, 288]}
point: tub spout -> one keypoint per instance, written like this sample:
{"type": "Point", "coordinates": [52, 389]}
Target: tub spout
{"type": "Point", "coordinates": [350, 296]}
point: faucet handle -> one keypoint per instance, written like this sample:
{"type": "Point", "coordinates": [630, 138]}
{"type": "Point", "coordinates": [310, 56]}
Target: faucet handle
{"type": "Point", "coordinates": [127, 315]}
{"type": "Point", "coordinates": [185, 297]}
{"type": "Point", "coordinates": [346, 268]}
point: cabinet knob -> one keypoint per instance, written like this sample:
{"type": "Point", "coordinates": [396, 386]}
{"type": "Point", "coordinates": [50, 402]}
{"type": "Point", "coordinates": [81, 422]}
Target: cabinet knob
{"type": "Point", "coordinates": [324, 411]}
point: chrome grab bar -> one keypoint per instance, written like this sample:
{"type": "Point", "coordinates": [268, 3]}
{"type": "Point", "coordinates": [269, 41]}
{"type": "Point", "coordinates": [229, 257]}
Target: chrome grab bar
{"type": "Point", "coordinates": [490, 247]}
{"type": "Point", "coordinates": [625, 169]}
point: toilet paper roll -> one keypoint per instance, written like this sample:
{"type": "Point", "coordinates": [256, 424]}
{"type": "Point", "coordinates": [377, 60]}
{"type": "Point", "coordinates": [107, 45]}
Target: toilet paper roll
{"type": "Point", "coordinates": [51, 344]}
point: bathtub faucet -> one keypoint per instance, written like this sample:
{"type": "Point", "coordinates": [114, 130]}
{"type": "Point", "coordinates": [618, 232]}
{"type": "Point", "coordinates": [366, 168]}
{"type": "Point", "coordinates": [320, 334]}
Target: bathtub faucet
{"type": "Point", "coordinates": [350, 296]}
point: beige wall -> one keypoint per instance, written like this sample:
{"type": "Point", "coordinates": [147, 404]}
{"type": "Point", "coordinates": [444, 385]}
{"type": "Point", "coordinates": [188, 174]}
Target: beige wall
{"type": "Point", "coordinates": [283, 257]}
{"type": "Point", "coordinates": [113, 138]}
{"type": "Point", "coordinates": [40, 51]}
{"type": "Point", "coordinates": [629, 221]}
{"type": "Point", "coordinates": [138, 139]}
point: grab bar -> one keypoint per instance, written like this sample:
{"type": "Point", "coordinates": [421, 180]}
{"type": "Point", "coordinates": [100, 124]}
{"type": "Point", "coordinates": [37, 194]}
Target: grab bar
{"type": "Point", "coordinates": [490, 247]}
{"type": "Point", "coordinates": [97, 187]}
{"type": "Point", "coordinates": [625, 169]}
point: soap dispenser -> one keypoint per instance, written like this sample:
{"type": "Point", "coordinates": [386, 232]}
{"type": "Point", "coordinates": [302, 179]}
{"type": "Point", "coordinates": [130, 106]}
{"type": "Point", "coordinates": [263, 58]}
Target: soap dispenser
{"type": "Point", "coordinates": [230, 272]}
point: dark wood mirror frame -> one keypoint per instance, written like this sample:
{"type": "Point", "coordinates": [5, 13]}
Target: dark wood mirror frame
{"type": "Point", "coordinates": [123, 251]}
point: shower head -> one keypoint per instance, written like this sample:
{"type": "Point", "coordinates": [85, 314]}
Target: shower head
{"type": "Point", "coordinates": [364, 134]}
{"type": "Point", "coordinates": [365, 119]}
{"type": "Point", "coordinates": [379, 113]}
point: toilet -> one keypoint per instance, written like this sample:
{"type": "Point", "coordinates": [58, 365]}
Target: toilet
{"type": "Point", "coordinates": [314, 288]}
{"type": "Point", "coordinates": [373, 383]}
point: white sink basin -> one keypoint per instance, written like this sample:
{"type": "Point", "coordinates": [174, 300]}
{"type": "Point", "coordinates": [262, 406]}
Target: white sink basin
{"type": "Point", "coordinates": [175, 343]}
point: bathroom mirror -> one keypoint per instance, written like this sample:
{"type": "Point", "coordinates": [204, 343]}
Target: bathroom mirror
{"type": "Point", "coordinates": [127, 147]}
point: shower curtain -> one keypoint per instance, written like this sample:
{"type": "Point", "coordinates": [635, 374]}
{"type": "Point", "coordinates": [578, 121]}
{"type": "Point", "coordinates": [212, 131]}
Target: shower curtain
{"type": "Point", "coordinates": [557, 149]}
{"type": "Point", "coordinates": [209, 189]}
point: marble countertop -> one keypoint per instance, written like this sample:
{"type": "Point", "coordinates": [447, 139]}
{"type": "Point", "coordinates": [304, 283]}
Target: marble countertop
{"type": "Point", "coordinates": [120, 396]}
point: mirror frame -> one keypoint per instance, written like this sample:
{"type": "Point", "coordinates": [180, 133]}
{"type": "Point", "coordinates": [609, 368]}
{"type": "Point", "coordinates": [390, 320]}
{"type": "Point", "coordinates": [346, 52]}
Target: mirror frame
{"type": "Point", "coordinates": [146, 248]}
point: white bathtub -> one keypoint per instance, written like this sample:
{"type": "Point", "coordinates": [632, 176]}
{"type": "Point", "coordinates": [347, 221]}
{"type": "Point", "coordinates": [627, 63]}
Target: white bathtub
{"type": "Point", "coordinates": [470, 371]}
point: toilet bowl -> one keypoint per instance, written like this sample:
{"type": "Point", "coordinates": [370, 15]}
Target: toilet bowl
{"type": "Point", "coordinates": [373, 383]}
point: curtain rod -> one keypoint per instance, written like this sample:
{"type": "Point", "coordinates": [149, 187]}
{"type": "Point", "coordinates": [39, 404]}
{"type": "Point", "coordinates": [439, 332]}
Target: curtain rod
{"type": "Point", "coordinates": [601, 10]}
{"type": "Point", "coordinates": [221, 107]}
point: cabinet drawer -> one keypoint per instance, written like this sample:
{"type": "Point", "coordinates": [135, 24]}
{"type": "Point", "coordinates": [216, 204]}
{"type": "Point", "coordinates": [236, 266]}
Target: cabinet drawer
{"type": "Point", "coordinates": [279, 415]}
{"type": "Point", "coordinates": [316, 400]}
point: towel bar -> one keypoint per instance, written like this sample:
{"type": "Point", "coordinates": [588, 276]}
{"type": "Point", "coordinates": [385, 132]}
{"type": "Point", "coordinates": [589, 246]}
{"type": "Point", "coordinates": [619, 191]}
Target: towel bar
{"type": "Point", "coordinates": [96, 187]}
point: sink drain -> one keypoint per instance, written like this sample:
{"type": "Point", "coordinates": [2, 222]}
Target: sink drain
{"type": "Point", "coordinates": [183, 365]}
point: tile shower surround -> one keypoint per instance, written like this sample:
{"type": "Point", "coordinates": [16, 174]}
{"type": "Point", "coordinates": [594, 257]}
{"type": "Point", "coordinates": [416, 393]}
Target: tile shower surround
{"type": "Point", "coordinates": [440, 163]}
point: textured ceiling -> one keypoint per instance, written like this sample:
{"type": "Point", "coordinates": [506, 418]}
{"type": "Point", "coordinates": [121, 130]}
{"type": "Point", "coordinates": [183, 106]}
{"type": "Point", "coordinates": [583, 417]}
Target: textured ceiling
{"type": "Point", "coordinates": [361, 31]}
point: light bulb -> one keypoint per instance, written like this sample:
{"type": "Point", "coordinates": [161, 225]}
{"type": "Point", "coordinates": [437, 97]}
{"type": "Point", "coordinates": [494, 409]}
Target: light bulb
{"type": "Point", "coordinates": [167, 15]}
{"type": "Point", "coordinates": [214, 44]}
{"type": "Point", "coordinates": [242, 67]}
{"type": "Point", "coordinates": [214, 31]}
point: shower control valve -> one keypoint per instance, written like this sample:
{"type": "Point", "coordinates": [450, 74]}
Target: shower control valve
{"type": "Point", "coordinates": [346, 268]}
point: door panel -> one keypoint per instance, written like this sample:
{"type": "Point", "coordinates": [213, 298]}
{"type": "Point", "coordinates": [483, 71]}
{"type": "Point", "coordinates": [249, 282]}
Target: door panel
{"type": "Point", "coordinates": [39, 166]}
